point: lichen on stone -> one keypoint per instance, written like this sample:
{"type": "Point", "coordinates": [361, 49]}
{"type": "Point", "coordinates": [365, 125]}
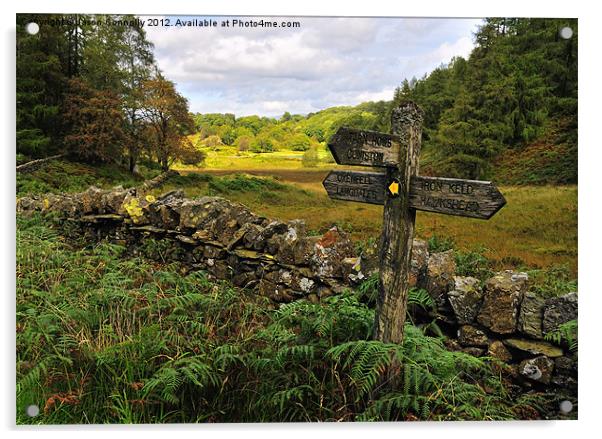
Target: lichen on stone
{"type": "Point", "coordinates": [134, 210]}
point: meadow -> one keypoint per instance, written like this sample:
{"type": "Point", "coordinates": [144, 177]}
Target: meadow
{"type": "Point", "coordinates": [537, 228]}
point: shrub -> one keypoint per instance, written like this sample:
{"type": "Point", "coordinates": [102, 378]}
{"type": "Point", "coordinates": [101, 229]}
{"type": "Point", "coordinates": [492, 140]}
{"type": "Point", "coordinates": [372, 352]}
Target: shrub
{"type": "Point", "coordinates": [212, 141]}
{"type": "Point", "coordinates": [300, 142]}
{"type": "Point", "coordinates": [244, 183]}
{"type": "Point", "coordinates": [310, 158]}
{"type": "Point", "coordinates": [438, 243]}
{"type": "Point", "coordinates": [262, 143]}
{"type": "Point", "coordinates": [95, 120]}
{"type": "Point", "coordinates": [66, 176]}
{"type": "Point", "coordinates": [473, 263]}
{"type": "Point", "coordinates": [244, 142]}
{"type": "Point", "coordinates": [192, 156]}
{"type": "Point", "coordinates": [552, 282]}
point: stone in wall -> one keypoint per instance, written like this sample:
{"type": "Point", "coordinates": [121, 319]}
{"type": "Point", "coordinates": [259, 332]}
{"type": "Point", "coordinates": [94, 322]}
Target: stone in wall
{"type": "Point", "coordinates": [245, 279]}
{"type": "Point", "coordinates": [251, 238]}
{"type": "Point", "coordinates": [91, 201]}
{"type": "Point", "coordinates": [474, 351]}
{"type": "Point", "coordinates": [418, 262]}
{"type": "Point", "coordinates": [498, 350]}
{"type": "Point", "coordinates": [537, 369]}
{"type": "Point", "coordinates": [330, 251]}
{"type": "Point", "coordinates": [352, 270]}
{"type": "Point", "coordinates": [202, 213]}
{"type": "Point", "coordinates": [530, 318]}
{"type": "Point", "coordinates": [566, 365]}
{"type": "Point", "coordinates": [465, 299]}
{"type": "Point", "coordinates": [265, 238]}
{"type": "Point", "coordinates": [559, 310]}
{"type": "Point", "coordinates": [304, 249]}
{"type": "Point", "coordinates": [111, 201]}
{"type": "Point", "coordinates": [502, 296]}
{"type": "Point", "coordinates": [137, 209]}
{"type": "Point", "coordinates": [472, 336]}
{"type": "Point", "coordinates": [439, 278]}
{"type": "Point", "coordinates": [298, 284]}
{"type": "Point", "coordinates": [534, 347]}
{"type": "Point", "coordinates": [283, 245]}
{"type": "Point", "coordinates": [219, 268]}
{"type": "Point", "coordinates": [276, 292]}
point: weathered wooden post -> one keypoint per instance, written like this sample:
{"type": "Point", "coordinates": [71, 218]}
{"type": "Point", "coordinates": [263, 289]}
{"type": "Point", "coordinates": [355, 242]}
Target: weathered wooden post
{"type": "Point", "coordinates": [402, 191]}
{"type": "Point", "coordinates": [398, 226]}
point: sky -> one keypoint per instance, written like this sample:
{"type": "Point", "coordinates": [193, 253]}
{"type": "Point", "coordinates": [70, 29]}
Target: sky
{"type": "Point", "coordinates": [324, 62]}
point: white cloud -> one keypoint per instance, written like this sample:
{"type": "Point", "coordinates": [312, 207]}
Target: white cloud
{"type": "Point", "coordinates": [424, 63]}
{"type": "Point", "coordinates": [325, 62]}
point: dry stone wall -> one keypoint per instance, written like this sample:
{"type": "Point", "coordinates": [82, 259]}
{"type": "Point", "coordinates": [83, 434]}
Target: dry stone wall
{"type": "Point", "coordinates": [499, 318]}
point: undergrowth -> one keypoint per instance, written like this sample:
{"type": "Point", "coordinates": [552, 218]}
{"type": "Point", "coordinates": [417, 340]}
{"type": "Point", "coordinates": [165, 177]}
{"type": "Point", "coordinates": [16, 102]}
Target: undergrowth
{"type": "Point", "coordinates": [565, 335]}
{"type": "Point", "coordinates": [106, 339]}
{"type": "Point", "coordinates": [552, 281]}
{"type": "Point", "coordinates": [243, 183]}
{"type": "Point", "coordinates": [60, 176]}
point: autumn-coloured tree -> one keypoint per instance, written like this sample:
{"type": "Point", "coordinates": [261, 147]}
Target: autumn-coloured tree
{"type": "Point", "coordinates": [189, 155]}
{"type": "Point", "coordinates": [166, 112]}
{"type": "Point", "coordinates": [94, 123]}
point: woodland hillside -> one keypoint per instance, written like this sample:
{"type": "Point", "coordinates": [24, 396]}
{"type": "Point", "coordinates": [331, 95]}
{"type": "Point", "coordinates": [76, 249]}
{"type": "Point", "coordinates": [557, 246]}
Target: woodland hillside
{"type": "Point", "coordinates": [508, 112]}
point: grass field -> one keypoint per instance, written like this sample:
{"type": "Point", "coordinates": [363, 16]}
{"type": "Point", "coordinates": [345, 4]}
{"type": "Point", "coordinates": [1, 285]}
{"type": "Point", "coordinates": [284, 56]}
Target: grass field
{"type": "Point", "coordinates": [229, 157]}
{"type": "Point", "coordinates": [537, 228]}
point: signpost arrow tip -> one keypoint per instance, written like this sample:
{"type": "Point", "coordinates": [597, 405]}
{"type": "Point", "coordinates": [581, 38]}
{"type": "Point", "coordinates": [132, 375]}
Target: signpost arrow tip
{"type": "Point", "coordinates": [394, 188]}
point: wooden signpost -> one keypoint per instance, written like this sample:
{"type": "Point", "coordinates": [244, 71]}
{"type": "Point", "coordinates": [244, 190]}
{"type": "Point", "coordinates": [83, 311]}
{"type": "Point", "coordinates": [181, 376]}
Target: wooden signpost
{"type": "Point", "coordinates": [402, 191]}
{"type": "Point", "coordinates": [364, 148]}
{"type": "Point", "coordinates": [363, 187]}
{"type": "Point", "coordinates": [450, 196]}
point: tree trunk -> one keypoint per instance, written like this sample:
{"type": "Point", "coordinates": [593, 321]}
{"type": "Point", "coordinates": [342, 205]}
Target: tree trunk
{"type": "Point", "coordinates": [398, 228]}
{"type": "Point", "coordinates": [36, 164]}
{"type": "Point", "coordinates": [132, 164]}
{"type": "Point", "coordinates": [164, 164]}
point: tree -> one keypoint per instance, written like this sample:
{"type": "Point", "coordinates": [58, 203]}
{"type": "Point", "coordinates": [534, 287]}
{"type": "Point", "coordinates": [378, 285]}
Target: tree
{"type": "Point", "coordinates": [212, 142]}
{"type": "Point", "coordinates": [520, 77]}
{"type": "Point", "coordinates": [189, 155]}
{"type": "Point", "coordinates": [120, 59]}
{"type": "Point", "coordinates": [263, 143]}
{"type": "Point", "coordinates": [40, 85]}
{"type": "Point", "coordinates": [137, 62]}
{"type": "Point", "coordinates": [227, 134]}
{"type": "Point", "coordinates": [94, 121]}
{"type": "Point", "coordinates": [166, 112]}
{"type": "Point", "coordinates": [244, 143]}
{"type": "Point", "coordinates": [300, 142]}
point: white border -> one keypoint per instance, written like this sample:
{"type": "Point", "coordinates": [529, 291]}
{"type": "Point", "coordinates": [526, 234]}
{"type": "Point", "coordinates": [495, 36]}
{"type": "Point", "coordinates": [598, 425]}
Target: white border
{"type": "Point", "coordinates": [589, 200]}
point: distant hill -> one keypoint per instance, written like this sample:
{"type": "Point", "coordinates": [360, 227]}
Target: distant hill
{"type": "Point", "coordinates": [507, 113]}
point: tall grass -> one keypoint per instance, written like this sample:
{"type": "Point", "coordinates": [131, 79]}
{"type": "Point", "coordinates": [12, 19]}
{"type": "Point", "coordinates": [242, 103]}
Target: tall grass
{"type": "Point", "coordinates": [102, 338]}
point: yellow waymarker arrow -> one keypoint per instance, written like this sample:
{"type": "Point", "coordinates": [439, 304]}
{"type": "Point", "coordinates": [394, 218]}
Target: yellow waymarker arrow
{"type": "Point", "coordinates": [394, 188]}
